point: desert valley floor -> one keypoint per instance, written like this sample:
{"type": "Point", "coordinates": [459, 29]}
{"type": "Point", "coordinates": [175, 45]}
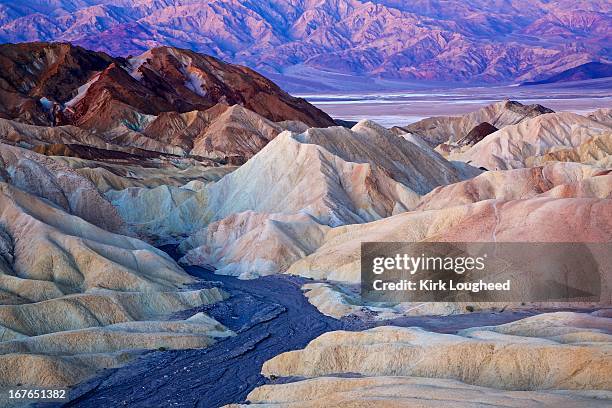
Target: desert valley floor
{"type": "Point", "coordinates": [397, 108]}
{"type": "Point", "coordinates": [179, 231]}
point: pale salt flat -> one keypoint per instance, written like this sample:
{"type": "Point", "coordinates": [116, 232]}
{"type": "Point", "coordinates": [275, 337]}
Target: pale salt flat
{"type": "Point", "coordinates": [399, 108]}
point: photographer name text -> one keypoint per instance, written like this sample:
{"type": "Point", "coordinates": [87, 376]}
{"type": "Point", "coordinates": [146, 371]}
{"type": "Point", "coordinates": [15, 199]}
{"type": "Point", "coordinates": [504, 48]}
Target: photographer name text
{"type": "Point", "coordinates": [440, 285]}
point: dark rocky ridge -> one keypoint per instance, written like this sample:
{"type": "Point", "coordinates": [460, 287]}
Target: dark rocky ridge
{"type": "Point", "coordinates": [53, 70]}
{"type": "Point", "coordinates": [163, 81]}
{"type": "Point", "coordinates": [135, 156]}
{"type": "Point", "coordinates": [590, 70]}
{"type": "Point", "coordinates": [478, 133]}
{"type": "Point", "coordinates": [531, 111]}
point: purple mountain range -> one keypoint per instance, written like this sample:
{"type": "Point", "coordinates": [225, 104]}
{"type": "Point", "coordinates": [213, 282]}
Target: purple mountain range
{"type": "Point", "coordinates": [458, 41]}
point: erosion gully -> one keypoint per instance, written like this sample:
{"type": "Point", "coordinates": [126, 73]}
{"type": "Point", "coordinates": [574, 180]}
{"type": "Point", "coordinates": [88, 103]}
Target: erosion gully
{"type": "Point", "coordinates": [270, 315]}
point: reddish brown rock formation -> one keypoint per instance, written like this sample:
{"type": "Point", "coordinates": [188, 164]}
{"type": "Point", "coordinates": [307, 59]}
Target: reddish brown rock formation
{"type": "Point", "coordinates": [101, 92]}
{"type": "Point", "coordinates": [31, 71]}
{"type": "Point", "coordinates": [203, 81]}
{"type": "Point", "coordinates": [47, 69]}
{"type": "Point", "coordinates": [232, 134]}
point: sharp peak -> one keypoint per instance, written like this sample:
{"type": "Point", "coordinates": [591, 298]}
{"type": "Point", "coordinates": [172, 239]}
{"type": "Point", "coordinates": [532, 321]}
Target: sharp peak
{"type": "Point", "coordinates": [170, 49]}
{"type": "Point", "coordinates": [369, 123]}
{"type": "Point", "coordinates": [513, 104]}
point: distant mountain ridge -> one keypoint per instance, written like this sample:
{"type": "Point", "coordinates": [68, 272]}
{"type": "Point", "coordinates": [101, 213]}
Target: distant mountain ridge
{"type": "Point", "coordinates": [590, 70]}
{"type": "Point", "coordinates": [476, 41]}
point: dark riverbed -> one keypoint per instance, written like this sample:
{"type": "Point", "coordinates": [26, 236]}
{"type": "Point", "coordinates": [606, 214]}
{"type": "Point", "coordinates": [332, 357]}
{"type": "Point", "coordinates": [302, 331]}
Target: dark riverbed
{"type": "Point", "coordinates": [270, 316]}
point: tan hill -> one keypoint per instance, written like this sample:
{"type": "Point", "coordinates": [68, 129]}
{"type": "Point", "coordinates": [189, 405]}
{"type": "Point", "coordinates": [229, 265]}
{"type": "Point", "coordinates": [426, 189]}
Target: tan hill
{"type": "Point", "coordinates": [304, 183]}
{"type": "Point", "coordinates": [402, 392]}
{"type": "Point", "coordinates": [556, 203]}
{"type": "Point", "coordinates": [553, 180]}
{"type": "Point", "coordinates": [474, 354]}
{"type": "Point", "coordinates": [232, 134]}
{"type": "Point", "coordinates": [603, 115]}
{"type": "Point", "coordinates": [445, 129]}
{"type": "Point", "coordinates": [250, 244]}
{"type": "Point", "coordinates": [229, 137]}
{"type": "Point", "coordinates": [164, 214]}
{"type": "Point", "coordinates": [336, 175]}
{"type": "Point", "coordinates": [61, 185]}
{"type": "Point", "coordinates": [120, 139]}
{"type": "Point", "coordinates": [521, 364]}
{"type": "Point", "coordinates": [261, 242]}
{"type": "Point", "coordinates": [549, 220]}
{"type": "Point", "coordinates": [539, 139]}
{"type": "Point", "coordinates": [54, 251]}
{"type": "Point", "coordinates": [149, 173]}
{"type": "Point", "coordinates": [76, 298]}
{"type": "Point", "coordinates": [28, 136]}
{"type": "Point", "coordinates": [595, 150]}
{"type": "Point", "coordinates": [225, 134]}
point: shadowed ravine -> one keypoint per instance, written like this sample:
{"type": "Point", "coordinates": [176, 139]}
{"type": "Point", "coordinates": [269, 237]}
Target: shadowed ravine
{"type": "Point", "coordinates": [270, 316]}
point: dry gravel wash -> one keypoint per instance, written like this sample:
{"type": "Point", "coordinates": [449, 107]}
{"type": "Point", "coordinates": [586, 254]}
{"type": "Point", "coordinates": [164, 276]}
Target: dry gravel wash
{"type": "Point", "coordinates": [270, 316]}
